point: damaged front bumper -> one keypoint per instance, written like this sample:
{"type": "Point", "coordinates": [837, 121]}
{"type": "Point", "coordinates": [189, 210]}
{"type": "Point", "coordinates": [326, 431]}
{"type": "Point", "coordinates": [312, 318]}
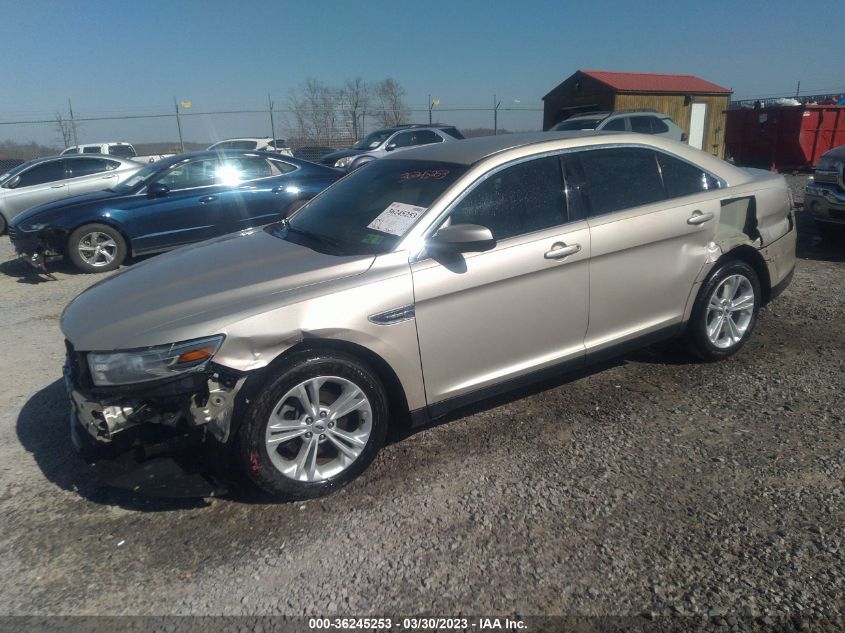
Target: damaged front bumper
{"type": "Point", "coordinates": [35, 248]}
{"type": "Point", "coordinates": [825, 202]}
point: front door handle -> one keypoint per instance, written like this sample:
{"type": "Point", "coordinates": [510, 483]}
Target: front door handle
{"type": "Point", "coordinates": [561, 250]}
{"type": "Point", "coordinates": [207, 199]}
{"type": "Point", "coordinates": [698, 217]}
{"type": "Point", "coordinates": [110, 176]}
{"type": "Point", "coordinates": [57, 186]}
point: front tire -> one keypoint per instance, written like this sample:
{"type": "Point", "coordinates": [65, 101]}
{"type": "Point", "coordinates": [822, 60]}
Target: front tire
{"type": "Point", "coordinates": [96, 248]}
{"type": "Point", "coordinates": [317, 424]}
{"type": "Point", "coordinates": [725, 311]}
{"type": "Point", "coordinates": [3, 224]}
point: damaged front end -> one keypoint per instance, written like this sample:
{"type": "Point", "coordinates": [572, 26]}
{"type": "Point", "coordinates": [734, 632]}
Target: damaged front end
{"type": "Point", "coordinates": [160, 432]}
{"type": "Point", "coordinates": [38, 247]}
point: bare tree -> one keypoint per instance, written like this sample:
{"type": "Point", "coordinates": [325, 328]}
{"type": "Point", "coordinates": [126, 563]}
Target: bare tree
{"type": "Point", "coordinates": [65, 128]}
{"type": "Point", "coordinates": [314, 108]}
{"type": "Point", "coordinates": [355, 98]}
{"type": "Point", "coordinates": [392, 109]}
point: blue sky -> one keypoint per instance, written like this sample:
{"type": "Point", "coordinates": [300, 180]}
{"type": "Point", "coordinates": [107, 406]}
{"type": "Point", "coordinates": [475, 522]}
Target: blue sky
{"type": "Point", "coordinates": [119, 57]}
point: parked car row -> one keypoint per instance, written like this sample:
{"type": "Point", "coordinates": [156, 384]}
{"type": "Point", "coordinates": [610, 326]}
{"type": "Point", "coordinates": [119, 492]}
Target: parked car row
{"type": "Point", "coordinates": [175, 201]}
{"type": "Point", "coordinates": [432, 278]}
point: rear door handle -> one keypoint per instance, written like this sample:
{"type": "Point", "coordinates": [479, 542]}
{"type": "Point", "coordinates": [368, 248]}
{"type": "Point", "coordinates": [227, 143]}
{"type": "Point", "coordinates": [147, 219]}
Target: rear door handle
{"type": "Point", "coordinates": [57, 186]}
{"type": "Point", "coordinates": [207, 199]}
{"type": "Point", "coordinates": [561, 250]}
{"type": "Point", "coordinates": [698, 217]}
{"type": "Point", "coordinates": [110, 176]}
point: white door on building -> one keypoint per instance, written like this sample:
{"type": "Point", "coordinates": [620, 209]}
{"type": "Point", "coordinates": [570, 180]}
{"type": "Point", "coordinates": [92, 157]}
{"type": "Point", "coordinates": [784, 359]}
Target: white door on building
{"type": "Point", "coordinates": [696, 125]}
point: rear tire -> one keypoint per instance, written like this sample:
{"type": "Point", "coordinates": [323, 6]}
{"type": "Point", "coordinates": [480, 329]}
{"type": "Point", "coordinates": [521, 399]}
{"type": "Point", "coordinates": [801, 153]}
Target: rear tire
{"type": "Point", "coordinates": [3, 224]}
{"type": "Point", "coordinates": [96, 248]}
{"type": "Point", "coordinates": [317, 424]}
{"type": "Point", "coordinates": [725, 311]}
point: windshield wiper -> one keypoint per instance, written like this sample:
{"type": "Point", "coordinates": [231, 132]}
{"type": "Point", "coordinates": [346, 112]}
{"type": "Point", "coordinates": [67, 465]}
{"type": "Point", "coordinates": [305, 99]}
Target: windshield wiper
{"type": "Point", "coordinates": [314, 237]}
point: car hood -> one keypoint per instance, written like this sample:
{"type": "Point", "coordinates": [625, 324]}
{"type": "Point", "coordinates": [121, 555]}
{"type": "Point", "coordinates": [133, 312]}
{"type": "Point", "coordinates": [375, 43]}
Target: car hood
{"type": "Point", "coordinates": [329, 159]}
{"type": "Point", "coordinates": [65, 204]}
{"type": "Point", "coordinates": [837, 153]}
{"type": "Point", "coordinates": [198, 291]}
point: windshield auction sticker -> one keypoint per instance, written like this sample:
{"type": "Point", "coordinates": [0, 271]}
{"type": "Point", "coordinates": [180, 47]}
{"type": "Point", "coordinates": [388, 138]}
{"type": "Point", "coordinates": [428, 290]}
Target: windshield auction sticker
{"type": "Point", "coordinates": [396, 219]}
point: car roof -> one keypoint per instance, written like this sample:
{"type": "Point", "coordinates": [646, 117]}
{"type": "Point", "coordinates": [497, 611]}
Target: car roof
{"type": "Point", "coordinates": [471, 151]}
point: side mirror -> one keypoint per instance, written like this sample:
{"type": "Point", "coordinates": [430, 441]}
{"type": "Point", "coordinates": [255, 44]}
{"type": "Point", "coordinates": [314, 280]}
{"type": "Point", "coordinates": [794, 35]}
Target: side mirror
{"type": "Point", "coordinates": [14, 182]}
{"type": "Point", "coordinates": [461, 238]}
{"type": "Point", "coordinates": [390, 147]}
{"type": "Point", "coordinates": [157, 190]}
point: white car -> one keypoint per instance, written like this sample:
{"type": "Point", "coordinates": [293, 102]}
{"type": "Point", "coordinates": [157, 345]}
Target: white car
{"type": "Point", "coordinates": [121, 149]}
{"type": "Point", "coordinates": [257, 144]}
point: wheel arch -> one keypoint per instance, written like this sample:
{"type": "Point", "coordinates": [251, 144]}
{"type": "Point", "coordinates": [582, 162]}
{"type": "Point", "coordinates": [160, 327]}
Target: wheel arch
{"type": "Point", "coordinates": [105, 221]}
{"type": "Point", "coordinates": [398, 411]}
{"type": "Point", "coordinates": [752, 257]}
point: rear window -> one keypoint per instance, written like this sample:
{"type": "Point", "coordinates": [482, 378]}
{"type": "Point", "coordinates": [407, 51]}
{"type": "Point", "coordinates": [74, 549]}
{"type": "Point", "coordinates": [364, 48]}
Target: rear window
{"type": "Point", "coordinates": [91, 149]}
{"type": "Point", "coordinates": [659, 126]}
{"type": "Point", "coordinates": [620, 178]}
{"type": "Point", "coordinates": [123, 151]}
{"type": "Point", "coordinates": [641, 124]}
{"type": "Point", "coordinates": [453, 132]}
{"type": "Point", "coordinates": [241, 145]}
{"type": "Point", "coordinates": [682, 179]}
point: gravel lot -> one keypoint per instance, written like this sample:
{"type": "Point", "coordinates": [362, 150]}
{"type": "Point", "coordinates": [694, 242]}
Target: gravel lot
{"type": "Point", "coordinates": [656, 486]}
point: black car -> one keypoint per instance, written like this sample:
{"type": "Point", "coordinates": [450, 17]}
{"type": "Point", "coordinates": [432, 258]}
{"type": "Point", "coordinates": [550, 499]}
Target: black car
{"type": "Point", "coordinates": [178, 200]}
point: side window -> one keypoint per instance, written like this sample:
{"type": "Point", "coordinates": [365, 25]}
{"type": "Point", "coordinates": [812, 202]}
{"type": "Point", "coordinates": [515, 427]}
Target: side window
{"type": "Point", "coordinates": [199, 173]}
{"type": "Point", "coordinates": [641, 124]}
{"type": "Point", "coordinates": [682, 179]}
{"type": "Point", "coordinates": [282, 167]}
{"type": "Point", "coordinates": [424, 137]}
{"type": "Point", "coordinates": [658, 125]}
{"type": "Point", "coordinates": [91, 149]}
{"type": "Point", "coordinates": [620, 178]}
{"type": "Point", "coordinates": [72, 150]}
{"type": "Point", "coordinates": [86, 166]}
{"type": "Point", "coordinates": [45, 172]}
{"type": "Point", "coordinates": [616, 125]}
{"type": "Point", "coordinates": [124, 151]}
{"type": "Point", "coordinates": [520, 199]}
{"type": "Point", "coordinates": [234, 170]}
{"type": "Point", "coordinates": [405, 139]}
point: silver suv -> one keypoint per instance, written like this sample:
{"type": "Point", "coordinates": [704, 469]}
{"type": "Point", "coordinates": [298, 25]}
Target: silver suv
{"type": "Point", "coordinates": [47, 179]}
{"type": "Point", "coordinates": [381, 142]}
{"type": "Point", "coordinates": [639, 121]}
{"type": "Point", "coordinates": [431, 279]}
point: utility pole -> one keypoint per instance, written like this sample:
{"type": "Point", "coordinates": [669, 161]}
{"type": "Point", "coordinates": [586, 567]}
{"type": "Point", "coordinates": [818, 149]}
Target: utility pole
{"type": "Point", "coordinates": [179, 125]}
{"type": "Point", "coordinates": [72, 122]}
{"type": "Point", "coordinates": [496, 104]}
{"type": "Point", "coordinates": [430, 106]}
{"type": "Point", "coordinates": [272, 121]}
{"type": "Point", "coordinates": [798, 89]}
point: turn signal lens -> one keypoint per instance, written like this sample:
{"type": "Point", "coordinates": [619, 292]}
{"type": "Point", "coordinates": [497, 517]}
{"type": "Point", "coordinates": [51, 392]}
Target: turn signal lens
{"type": "Point", "coordinates": [195, 355]}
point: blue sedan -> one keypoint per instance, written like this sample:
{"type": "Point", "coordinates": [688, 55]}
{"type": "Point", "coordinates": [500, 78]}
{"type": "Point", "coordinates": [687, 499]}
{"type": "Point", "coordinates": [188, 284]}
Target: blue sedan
{"type": "Point", "coordinates": [175, 201]}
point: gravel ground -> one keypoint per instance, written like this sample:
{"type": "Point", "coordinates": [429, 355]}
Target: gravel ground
{"type": "Point", "coordinates": [655, 486]}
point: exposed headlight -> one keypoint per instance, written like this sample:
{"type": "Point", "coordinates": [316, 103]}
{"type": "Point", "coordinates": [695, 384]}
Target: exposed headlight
{"type": "Point", "coordinates": [34, 227]}
{"type": "Point", "coordinates": [123, 368]}
{"type": "Point", "coordinates": [344, 162]}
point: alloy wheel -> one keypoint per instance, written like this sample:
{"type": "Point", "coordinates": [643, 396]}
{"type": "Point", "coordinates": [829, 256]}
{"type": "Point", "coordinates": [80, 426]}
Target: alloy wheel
{"type": "Point", "coordinates": [730, 311]}
{"type": "Point", "coordinates": [97, 249]}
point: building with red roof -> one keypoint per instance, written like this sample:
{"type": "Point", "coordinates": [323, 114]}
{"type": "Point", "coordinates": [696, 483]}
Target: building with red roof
{"type": "Point", "coordinates": [696, 105]}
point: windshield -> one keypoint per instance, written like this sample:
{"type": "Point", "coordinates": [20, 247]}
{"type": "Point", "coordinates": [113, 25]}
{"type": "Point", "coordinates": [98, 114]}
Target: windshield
{"type": "Point", "coordinates": [371, 141]}
{"type": "Point", "coordinates": [138, 178]}
{"type": "Point", "coordinates": [369, 211]}
{"type": "Point", "coordinates": [577, 124]}
{"type": "Point", "coordinates": [15, 171]}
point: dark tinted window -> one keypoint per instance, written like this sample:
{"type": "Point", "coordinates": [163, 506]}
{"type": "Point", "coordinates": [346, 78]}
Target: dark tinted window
{"type": "Point", "coordinates": [199, 173]}
{"type": "Point", "coordinates": [242, 145]}
{"type": "Point", "coordinates": [74, 150]}
{"type": "Point", "coordinates": [91, 149]}
{"type": "Point", "coordinates": [424, 137]}
{"type": "Point", "coordinates": [453, 132]}
{"type": "Point", "coordinates": [45, 172]}
{"type": "Point", "coordinates": [658, 126]}
{"type": "Point", "coordinates": [87, 166]}
{"type": "Point", "coordinates": [616, 125]}
{"type": "Point", "coordinates": [247, 168]}
{"type": "Point", "coordinates": [124, 151]}
{"type": "Point", "coordinates": [682, 179]}
{"type": "Point", "coordinates": [280, 143]}
{"type": "Point", "coordinates": [405, 139]}
{"type": "Point", "coordinates": [620, 178]}
{"type": "Point", "coordinates": [520, 199]}
{"type": "Point", "coordinates": [343, 214]}
{"type": "Point", "coordinates": [641, 124]}
{"type": "Point", "coordinates": [283, 167]}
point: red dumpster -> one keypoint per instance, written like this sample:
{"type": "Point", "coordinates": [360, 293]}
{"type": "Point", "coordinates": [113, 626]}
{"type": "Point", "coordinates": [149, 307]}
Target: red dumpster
{"type": "Point", "coordinates": [783, 137]}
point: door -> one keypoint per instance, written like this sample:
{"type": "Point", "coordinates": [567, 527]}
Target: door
{"type": "Point", "coordinates": [189, 212]}
{"type": "Point", "coordinates": [88, 174]}
{"type": "Point", "coordinates": [255, 192]}
{"type": "Point", "coordinates": [42, 183]}
{"type": "Point", "coordinates": [483, 318]}
{"type": "Point", "coordinates": [697, 117]}
{"type": "Point", "coordinates": [652, 217]}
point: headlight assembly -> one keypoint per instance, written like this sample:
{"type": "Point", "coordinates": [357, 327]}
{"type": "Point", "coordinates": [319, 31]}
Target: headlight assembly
{"type": "Point", "coordinates": [123, 368]}
{"type": "Point", "coordinates": [344, 162]}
